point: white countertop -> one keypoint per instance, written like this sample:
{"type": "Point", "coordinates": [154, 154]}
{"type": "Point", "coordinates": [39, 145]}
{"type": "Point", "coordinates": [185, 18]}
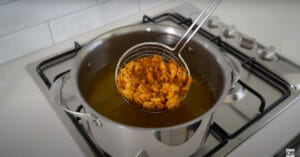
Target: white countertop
{"type": "Point", "coordinates": [29, 126]}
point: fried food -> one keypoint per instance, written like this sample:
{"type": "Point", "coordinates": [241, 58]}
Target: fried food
{"type": "Point", "coordinates": [152, 84]}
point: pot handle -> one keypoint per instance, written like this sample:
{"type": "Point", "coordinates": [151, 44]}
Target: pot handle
{"type": "Point", "coordinates": [235, 68]}
{"type": "Point", "coordinates": [56, 96]}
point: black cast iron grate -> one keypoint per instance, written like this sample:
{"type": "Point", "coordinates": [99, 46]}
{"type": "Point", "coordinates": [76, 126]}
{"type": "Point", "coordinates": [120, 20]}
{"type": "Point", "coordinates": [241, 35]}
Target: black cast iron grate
{"type": "Point", "coordinates": [218, 132]}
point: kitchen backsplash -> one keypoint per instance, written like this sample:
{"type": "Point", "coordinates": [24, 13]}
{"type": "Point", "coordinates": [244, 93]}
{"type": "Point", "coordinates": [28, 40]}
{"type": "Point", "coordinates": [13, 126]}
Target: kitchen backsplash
{"type": "Point", "coordinates": [29, 25]}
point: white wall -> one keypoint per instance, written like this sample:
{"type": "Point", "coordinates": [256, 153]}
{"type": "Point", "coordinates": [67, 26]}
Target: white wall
{"type": "Point", "coordinates": [29, 25]}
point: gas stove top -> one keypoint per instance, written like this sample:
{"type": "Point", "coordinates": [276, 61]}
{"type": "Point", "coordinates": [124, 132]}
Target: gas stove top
{"type": "Point", "coordinates": [267, 87]}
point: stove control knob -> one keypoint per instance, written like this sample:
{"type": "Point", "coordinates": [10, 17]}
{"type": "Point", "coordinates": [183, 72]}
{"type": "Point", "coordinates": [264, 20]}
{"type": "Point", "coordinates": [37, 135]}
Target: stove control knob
{"type": "Point", "coordinates": [247, 42]}
{"type": "Point", "coordinates": [229, 31]}
{"type": "Point", "coordinates": [213, 22]}
{"type": "Point", "coordinates": [268, 54]}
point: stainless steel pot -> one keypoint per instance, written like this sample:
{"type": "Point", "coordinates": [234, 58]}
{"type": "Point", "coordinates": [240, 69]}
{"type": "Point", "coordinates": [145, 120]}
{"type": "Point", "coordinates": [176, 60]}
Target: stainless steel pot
{"type": "Point", "coordinates": [118, 139]}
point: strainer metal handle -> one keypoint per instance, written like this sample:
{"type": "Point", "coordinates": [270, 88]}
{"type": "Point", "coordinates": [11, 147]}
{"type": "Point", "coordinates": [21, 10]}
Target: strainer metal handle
{"type": "Point", "coordinates": [209, 8]}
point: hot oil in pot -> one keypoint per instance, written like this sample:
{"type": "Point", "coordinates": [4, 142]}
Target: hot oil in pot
{"type": "Point", "coordinates": [102, 95]}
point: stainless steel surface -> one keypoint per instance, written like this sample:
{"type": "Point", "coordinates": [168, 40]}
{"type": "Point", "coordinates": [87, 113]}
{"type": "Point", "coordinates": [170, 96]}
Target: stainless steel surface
{"type": "Point", "coordinates": [235, 94]}
{"type": "Point", "coordinates": [56, 95]}
{"type": "Point", "coordinates": [165, 136]}
{"type": "Point", "coordinates": [236, 68]}
{"type": "Point", "coordinates": [229, 116]}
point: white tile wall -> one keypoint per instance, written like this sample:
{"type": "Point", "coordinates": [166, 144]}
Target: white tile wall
{"type": "Point", "coordinates": [23, 23]}
{"type": "Point", "coordinates": [3, 2]}
{"type": "Point", "coordinates": [86, 20]}
{"type": "Point", "coordinates": [187, 8]}
{"type": "Point", "coordinates": [28, 25]}
{"type": "Point", "coordinates": [146, 4]}
{"type": "Point", "coordinates": [24, 13]}
{"type": "Point", "coordinates": [25, 41]}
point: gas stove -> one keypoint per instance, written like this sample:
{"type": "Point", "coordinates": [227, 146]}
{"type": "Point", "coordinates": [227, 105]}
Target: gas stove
{"type": "Point", "coordinates": [267, 87]}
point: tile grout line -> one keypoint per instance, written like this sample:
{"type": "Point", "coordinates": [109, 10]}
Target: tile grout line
{"type": "Point", "coordinates": [140, 6]}
{"type": "Point", "coordinates": [8, 2]}
{"type": "Point", "coordinates": [51, 19]}
{"type": "Point", "coordinates": [102, 25]}
{"type": "Point", "coordinates": [91, 6]}
{"type": "Point", "coordinates": [51, 33]}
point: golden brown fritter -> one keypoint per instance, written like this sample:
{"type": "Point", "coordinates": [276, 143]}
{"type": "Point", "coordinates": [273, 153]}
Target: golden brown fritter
{"type": "Point", "coordinates": [152, 84]}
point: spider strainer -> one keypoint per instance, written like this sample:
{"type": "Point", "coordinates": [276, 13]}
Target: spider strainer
{"type": "Point", "coordinates": [155, 48]}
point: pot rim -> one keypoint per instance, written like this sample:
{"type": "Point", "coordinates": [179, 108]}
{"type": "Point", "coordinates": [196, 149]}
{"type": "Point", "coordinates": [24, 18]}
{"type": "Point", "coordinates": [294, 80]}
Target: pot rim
{"type": "Point", "coordinates": [207, 44]}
